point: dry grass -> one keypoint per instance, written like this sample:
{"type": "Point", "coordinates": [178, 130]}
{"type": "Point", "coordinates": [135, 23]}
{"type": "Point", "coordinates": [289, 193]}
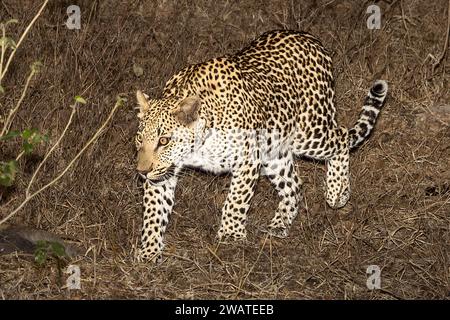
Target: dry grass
{"type": "Point", "coordinates": [399, 213]}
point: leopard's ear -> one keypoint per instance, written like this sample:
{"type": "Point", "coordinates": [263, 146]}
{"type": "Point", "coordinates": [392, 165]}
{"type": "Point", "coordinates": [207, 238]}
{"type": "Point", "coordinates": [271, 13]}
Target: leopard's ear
{"type": "Point", "coordinates": [188, 110]}
{"type": "Point", "coordinates": [143, 102]}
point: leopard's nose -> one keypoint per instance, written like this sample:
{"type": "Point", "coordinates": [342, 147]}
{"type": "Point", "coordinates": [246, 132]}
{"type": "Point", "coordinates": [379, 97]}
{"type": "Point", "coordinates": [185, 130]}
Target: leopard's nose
{"type": "Point", "coordinates": [143, 172]}
{"type": "Point", "coordinates": [144, 169]}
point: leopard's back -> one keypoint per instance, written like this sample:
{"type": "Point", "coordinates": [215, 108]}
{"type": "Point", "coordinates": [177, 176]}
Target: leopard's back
{"type": "Point", "coordinates": [280, 79]}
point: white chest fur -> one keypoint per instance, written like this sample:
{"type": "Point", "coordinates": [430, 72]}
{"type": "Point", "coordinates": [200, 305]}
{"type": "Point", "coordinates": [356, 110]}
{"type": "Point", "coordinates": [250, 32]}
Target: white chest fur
{"type": "Point", "coordinates": [214, 152]}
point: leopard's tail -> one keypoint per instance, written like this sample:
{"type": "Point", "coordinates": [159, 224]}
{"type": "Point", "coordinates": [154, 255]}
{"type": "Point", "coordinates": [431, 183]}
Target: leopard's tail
{"type": "Point", "coordinates": [369, 114]}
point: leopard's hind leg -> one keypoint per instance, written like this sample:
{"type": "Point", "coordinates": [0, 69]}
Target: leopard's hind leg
{"type": "Point", "coordinates": [332, 146]}
{"type": "Point", "coordinates": [338, 178]}
{"type": "Point", "coordinates": [282, 174]}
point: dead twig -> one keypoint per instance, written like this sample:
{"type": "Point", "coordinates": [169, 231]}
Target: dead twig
{"type": "Point", "coordinates": [71, 163]}
{"type": "Point", "coordinates": [13, 111]}
{"type": "Point", "coordinates": [24, 34]}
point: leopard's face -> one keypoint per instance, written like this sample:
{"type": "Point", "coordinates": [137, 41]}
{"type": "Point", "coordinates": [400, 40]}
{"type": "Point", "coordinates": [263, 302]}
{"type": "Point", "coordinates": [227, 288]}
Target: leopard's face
{"type": "Point", "coordinates": [163, 139]}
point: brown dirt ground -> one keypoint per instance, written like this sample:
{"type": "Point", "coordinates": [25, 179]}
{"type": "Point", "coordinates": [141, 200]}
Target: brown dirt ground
{"type": "Point", "coordinates": [399, 214]}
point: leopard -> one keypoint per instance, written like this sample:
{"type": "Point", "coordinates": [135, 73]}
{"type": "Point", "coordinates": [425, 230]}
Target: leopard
{"type": "Point", "coordinates": [248, 114]}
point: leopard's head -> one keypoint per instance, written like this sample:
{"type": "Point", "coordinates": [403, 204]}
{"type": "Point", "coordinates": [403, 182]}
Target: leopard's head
{"type": "Point", "coordinates": [166, 134]}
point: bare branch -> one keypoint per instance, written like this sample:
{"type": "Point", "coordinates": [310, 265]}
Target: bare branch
{"type": "Point", "coordinates": [24, 34]}
{"type": "Point", "coordinates": [13, 111]}
{"type": "Point", "coordinates": [27, 192]}
{"type": "Point", "coordinates": [119, 103]}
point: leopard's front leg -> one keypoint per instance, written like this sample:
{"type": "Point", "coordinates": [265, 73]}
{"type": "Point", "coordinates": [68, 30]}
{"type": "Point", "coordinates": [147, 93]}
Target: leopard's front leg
{"type": "Point", "coordinates": [159, 199]}
{"type": "Point", "coordinates": [234, 212]}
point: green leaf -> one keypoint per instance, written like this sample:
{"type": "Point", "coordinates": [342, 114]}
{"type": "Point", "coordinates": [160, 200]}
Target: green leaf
{"type": "Point", "coordinates": [27, 147]}
{"type": "Point", "coordinates": [32, 137]}
{"type": "Point", "coordinates": [36, 66]}
{"type": "Point", "coordinates": [37, 138]}
{"type": "Point", "coordinates": [80, 99]}
{"type": "Point", "coordinates": [27, 133]}
{"type": "Point", "coordinates": [12, 166]}
{"type": "Point", "coordinates": [2, 90]}
{"type": "Point", "coordinates": [5, 180]}
{"type": "Point", "coordinates": [10, 135]}
{"type": "Point", "coordinates": [45, 248]}
{"type": "Point", "coordinates": [40, 253]}
{"type": "Point", "coordinates": [40, 257]}
{"type": "Point", "coordinates": [58, 249]}
{"type": "Point", "coordinates": [7, 173]}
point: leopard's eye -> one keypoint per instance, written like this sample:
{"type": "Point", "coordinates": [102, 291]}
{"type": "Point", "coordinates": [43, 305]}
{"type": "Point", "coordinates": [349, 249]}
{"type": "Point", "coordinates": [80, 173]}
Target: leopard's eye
{"type": "Point", "coordinates": [163, 141]}
{"type": "Point", "coordinates": [138, 141]}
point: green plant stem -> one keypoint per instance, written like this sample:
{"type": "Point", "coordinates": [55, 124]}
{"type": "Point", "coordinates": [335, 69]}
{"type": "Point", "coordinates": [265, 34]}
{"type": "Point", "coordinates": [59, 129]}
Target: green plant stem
{"type": "Point", "coordinates": [27, 192]}
{"type": "Point", "coordinates": [24, 34]}
{"type": "Point", "coordinates": [79, 154]}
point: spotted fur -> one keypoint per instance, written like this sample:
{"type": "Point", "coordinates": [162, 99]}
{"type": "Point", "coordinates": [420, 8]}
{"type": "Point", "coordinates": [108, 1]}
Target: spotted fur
{"type": "Point", "coordinates": [250, 114]}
